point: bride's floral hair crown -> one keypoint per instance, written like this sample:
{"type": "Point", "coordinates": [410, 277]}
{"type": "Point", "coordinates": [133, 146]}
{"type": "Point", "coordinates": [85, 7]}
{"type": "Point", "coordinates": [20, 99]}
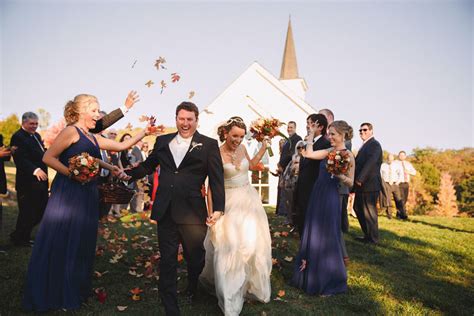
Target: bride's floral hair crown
{"type": "Point", "coordinates": [227, 126]}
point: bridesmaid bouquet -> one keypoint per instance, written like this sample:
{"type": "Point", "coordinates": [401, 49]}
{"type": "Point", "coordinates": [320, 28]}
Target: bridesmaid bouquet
{"type": "Point", "coordinates": [83, 167]}
{"type": "Point", "coordinates": [266, 128]}
{"type": "Point", "coordinates": [338, 162]}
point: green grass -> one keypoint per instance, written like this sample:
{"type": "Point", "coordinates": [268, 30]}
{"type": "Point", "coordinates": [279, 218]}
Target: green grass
{"type": "Point", "coordinates": [424, 266]}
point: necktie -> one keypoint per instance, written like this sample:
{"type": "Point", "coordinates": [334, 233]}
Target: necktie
{"type": "Point", "coordinates": [405, 175]}
{"type": "Point", "coordinates": [390, 175]}
{"type": "Point", "coordinates": [39, 143]}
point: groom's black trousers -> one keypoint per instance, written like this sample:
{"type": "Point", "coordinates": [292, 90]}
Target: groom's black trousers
{"type": "Point", "coordinates": [170, 235]}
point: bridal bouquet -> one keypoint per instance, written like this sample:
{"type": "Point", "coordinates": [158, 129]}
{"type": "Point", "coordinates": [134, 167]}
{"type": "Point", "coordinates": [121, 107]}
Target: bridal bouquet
{"type": "Point", "coordinates": [83, 167]}
{"type": "Point", "coordinates": [266, 128]}
{"type": "Point", "coordinates": [339, 162]}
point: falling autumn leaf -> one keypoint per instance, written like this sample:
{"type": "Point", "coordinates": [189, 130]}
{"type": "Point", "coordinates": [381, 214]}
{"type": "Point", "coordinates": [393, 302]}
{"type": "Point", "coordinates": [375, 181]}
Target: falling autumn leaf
{"type": "Point", "coordinates": [191, 94]}
{"type": "Point", "coordinates": [159, 63]}
{"type": "Point", "coordinates": [134, 63]}
{"type": "Point", "coordinates": [288, 259]}
{"type": "Point", "coordinates": [180, 257]}
{"type": "Point", "coordinates": [276, 234]}
{"type": "Point", "coordinates": [163, 86]}
{"type": "Point", "coordinates": [281, 293]}
{"type": "Point", "coordinates": [175, 77]}
{"type": "Point", "coordinates": [274, 261]}
{"type": "Point", "coordinates": [149, 83]}
{"type": "Point", "coordinates": [284, 234]}
{"type": "Point", "coordinates": [128, 127]}
{"type": "Point", "coordinates": [143, 118]}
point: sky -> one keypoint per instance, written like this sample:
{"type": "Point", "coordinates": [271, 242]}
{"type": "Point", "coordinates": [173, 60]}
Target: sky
{"type": "Point", "coordinates": [404, 66]}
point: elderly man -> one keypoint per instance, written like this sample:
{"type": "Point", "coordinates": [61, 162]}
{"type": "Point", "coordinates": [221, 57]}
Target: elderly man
{"type": "Point", "coordinates": [31, 178]}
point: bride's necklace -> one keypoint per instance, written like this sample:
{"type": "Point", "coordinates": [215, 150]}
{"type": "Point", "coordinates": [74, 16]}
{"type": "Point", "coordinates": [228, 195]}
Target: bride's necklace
{"type": "Point", "coordinates": [232, 155]}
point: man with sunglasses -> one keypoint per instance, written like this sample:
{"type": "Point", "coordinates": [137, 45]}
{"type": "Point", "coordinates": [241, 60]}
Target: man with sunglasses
{"type": "Point", "coordinates": [368, 183]}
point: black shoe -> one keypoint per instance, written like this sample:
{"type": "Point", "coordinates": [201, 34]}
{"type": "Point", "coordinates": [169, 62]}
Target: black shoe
{"type": "Point", "coordinates": [21, 243]}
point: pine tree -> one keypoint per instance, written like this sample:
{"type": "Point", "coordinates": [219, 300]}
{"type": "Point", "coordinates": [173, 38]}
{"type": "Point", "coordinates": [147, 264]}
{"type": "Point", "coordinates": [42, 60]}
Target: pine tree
{"type": "Point", "coordinates": [446, 205]}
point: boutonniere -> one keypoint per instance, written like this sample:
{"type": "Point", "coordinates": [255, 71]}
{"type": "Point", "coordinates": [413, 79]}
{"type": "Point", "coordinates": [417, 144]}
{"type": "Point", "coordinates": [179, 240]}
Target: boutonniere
{"type": "Point", "coordinates": [195, 145]}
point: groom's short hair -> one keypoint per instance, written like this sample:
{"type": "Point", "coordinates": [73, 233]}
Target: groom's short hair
{"type": "Point", "coordinates": [188, 106]}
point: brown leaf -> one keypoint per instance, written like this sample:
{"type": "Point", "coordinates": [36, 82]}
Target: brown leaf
{"type": "Point", "coordinates": [149, 83]}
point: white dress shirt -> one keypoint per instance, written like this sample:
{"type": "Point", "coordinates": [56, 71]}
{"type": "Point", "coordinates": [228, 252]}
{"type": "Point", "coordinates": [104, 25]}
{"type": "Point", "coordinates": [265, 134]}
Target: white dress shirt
{"type": "Point", "coordinates": [408, 170]}
{"type": "Point", "coordinates": [179, 147]}
{"type": "Point", "coordinates": [392, 172]}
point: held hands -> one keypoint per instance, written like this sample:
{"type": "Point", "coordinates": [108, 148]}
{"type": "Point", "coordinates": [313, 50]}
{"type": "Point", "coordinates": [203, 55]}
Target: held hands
{"type": "Point", "coordinates": [120, 174]}
{"type": "Point", "coordinates": [210, 221]}
{"type": "Point", "coordinates": [131, 99]}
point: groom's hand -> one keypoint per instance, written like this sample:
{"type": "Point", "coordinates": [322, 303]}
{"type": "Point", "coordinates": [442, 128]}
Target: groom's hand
{"type": "Point", "coordinates": [214, 218]}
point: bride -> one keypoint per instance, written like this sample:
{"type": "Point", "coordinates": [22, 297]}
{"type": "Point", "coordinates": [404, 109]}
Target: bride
{"type": "Point", "coordinates": [238, 246]}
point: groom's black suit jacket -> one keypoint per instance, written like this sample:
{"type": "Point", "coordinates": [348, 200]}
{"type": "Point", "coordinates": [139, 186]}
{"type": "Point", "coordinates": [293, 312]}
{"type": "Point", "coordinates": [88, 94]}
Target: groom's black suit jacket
{"type": "Point", "coordinates": [179, 191]}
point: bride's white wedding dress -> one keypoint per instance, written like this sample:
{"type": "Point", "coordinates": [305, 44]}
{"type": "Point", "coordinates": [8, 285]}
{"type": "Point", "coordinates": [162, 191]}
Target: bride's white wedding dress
{"type": "Point", "coordinates": [238, 247]}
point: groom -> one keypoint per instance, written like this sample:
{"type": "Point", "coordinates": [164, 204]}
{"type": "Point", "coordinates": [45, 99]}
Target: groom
{"type": "Point", "coordinates": [186, 158]}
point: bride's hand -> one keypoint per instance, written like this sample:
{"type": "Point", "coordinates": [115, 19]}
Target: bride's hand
{"type": "Point", "coordinates": [210, 221]}
{"type": "Point", "coordinates": [303, 265]}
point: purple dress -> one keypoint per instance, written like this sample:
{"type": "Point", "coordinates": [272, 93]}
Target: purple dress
{"type": "Point", "coordinates": [60, 268]}
{"type": "Point", "coordinates": [325, 273]}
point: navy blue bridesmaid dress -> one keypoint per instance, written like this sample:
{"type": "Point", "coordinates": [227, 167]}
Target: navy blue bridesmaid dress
{"type": "Point", "coordinates": [325, 273]}
{"type": "Point", "coordinates": [61, 265]}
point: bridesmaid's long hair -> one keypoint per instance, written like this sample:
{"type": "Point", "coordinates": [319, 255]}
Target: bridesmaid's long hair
{"type": "Point", "coordinates": [227, 126]}
{"type": "Point", "coordinates": [343, 128]}
{"type": "Point", "coordinates": [73, 108]}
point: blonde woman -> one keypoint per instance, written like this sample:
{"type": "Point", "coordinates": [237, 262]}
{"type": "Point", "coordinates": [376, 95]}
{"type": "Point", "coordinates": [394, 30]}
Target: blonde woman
{"type": "Point", "coordinates": [60, 268]}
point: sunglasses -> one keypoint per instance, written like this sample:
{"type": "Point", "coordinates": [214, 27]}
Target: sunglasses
{"type": "Point", "coordinates": [363, 130]}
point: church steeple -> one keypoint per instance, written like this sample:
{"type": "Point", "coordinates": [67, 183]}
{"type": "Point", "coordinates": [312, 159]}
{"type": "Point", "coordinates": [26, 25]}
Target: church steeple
{"type": "Point", "coordinates": [289, 67]}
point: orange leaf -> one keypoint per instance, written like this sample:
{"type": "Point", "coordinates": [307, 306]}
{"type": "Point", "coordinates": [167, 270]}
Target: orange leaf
{"type": "Point", "coordinates": [180, 257]}
{"type": "Point", "coordinates": [149, 83]}
{"type": "Point", "coordinates": [136, 291]}
{"type": "Point", "coordinates": [284, 234]}
{"type": "Point", "coordinates": [191, 94]}
{"type": "Point", "coordinates": [281, 293]}
{"type": "Point", "coordinates": [175, 77]}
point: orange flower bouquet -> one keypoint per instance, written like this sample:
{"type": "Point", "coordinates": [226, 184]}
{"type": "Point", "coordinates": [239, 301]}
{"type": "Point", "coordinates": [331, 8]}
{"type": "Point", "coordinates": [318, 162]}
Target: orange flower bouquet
{"type": "Point", "coordinates": [339, 162]}
{"type": "Point", "coordinates": [83, 167]}
{"type": "Point", "coordinates": [266, 128]}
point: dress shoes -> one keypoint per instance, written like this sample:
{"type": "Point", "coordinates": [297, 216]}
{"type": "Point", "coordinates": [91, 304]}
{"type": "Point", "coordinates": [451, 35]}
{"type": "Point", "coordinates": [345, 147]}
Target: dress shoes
{"type": "Point", "coordinates": [365, 240]}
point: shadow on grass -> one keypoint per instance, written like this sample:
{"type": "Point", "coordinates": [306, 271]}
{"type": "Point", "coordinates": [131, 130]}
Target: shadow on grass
{"type": "Point", "coordinates": [416, 221]}
{"type": "Point", "coordinates": [410, 273]}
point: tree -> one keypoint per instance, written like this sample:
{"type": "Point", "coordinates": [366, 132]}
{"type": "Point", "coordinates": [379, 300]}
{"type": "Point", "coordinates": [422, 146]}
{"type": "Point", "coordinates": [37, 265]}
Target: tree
{"type": "Point", "coordinates": [446, 205]}
{"type": "Point", "coordinates": [8, 127]}
{"type": "Point", "coordinates": [44, 118]}
{"type": "Point", "coordinates": [465, 194]}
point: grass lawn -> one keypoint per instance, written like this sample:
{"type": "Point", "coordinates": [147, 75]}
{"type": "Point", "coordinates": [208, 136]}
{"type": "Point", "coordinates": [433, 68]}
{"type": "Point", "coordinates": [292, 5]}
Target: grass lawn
{"type": "Point", "coordinates": [422, 266]}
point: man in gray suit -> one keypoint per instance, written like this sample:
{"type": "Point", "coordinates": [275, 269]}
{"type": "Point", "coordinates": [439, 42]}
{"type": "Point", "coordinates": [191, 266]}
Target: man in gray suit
{"type": "Point", "coordinates": [136, 204]}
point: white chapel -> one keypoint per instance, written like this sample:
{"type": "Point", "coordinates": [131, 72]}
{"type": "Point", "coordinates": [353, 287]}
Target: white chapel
{"type": "Point", "coordinates": [258, 93]}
